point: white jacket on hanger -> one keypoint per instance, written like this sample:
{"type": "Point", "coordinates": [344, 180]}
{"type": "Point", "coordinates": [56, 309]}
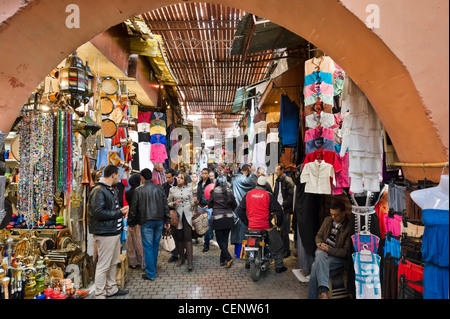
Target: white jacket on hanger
{"type": "Point", "coordinates": [317, 177]}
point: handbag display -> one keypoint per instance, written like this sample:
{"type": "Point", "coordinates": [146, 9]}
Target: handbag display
{"type": "Point", "coordinates": [174, 218]}
{"type": "Point", "coordinates": [167, 242]}
{"type": "Point", "coordinates": [200, 221]}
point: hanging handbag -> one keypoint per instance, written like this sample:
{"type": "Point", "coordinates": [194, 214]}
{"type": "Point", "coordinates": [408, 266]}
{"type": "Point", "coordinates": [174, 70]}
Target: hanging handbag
{"type": "Point", "coordinates": [167, 242]}
{"type": "Point", "coordinates": [174, 218]}
{"type": "Point", "coordinates": [200, 221]}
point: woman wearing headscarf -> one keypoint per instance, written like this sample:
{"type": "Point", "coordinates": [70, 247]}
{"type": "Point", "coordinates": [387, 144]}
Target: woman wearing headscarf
{"type": "Point", "coordinates": [135, 251]}
{"type": "Point", "coordinates": [223, 204]}
{"type": "Point", "coordinates": [181, 198]}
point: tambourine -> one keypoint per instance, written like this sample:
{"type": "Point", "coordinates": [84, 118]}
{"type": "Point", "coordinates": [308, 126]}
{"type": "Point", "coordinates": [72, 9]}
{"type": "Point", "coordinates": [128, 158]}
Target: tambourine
{"type": "Point", "coordinates": [110, 85]}
{"type": "Point", "coordinates": [106, 105]}
{"type": "Point", "coordinates": [109, 128]}
{"type": "Point", "coordinates": [15, 146]}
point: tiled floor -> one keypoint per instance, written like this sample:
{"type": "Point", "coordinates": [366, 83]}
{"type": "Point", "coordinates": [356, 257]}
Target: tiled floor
{"type": "Point", "coordinates": [209, 280]}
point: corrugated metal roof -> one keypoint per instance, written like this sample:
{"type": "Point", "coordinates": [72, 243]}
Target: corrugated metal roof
{"type": "Point", "coordinates": [198, 38]}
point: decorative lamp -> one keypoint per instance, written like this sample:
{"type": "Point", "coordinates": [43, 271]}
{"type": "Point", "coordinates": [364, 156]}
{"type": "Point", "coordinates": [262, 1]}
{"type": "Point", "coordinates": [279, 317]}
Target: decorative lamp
{"type": "Point", "coordinates": [90, 82]}
{"type": "Point", "coordinates": [73, 80]}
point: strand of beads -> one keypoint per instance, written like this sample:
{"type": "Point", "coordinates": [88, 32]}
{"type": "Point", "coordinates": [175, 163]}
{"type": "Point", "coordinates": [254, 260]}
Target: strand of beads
{"type": "Point", "coordinates": [36, 166]}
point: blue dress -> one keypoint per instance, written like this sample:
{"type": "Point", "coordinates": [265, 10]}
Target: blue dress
{"type": "Point", "coordinates": [435, 251]}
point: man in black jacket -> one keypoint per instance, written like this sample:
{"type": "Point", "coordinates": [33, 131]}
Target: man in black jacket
{"type": "Point", "coordinates": [284, 193]}
{"type": "Point", "coordinates": [149, 209]}
{"type": "Point", "coordinates": [105, 223]}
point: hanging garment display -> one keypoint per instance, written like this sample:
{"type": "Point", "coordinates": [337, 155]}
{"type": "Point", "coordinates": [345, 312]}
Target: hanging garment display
{"type": "Point", "coordinates": [363, 212]}
{"type": "Point", "coordinates": [144, 117]}
{"type": "Point", "coordinates": [319, 143]}
{"type": "Point", "coordinates": [319, 83]}
{"type": "Point", "coordinates": [259, 144]}
{"type": "Point", "coordinates": [327, 156]}
{"type": "Point", "coordinates": [409, 272]}
{"type": "Point", "coordinates": [435, 252]}
{"type": "Point", "coordinates": [158, 116]}
{"type": "Point", "coordinates": [319, 132]}
{"type": "Point", "coordinates": [367, 275]}
{"type": "Point", "coordinates": [365, 240]}
{"type": "Point", "coordinates": [36, 183]}
{"type": "Point", "coordinates": [342, 178]}
{"type": "Point", "coordinates": [317, 176]}
{"type": "Point", "coordinates": [289, 122]}
{"type": "Point", "coordinates": [321, 119]}
{"type": "Point", "coordinates": [361, 136]}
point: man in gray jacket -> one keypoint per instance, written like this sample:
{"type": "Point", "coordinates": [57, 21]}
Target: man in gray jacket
{"type": "Point", "coordinates": [149, 209]}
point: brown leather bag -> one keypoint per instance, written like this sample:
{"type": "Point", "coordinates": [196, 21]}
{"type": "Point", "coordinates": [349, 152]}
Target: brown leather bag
{"type": "Point", "coordinates": [174, 218]}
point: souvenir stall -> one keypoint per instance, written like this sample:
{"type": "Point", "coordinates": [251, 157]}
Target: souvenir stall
{"type": "Point", "coordinates": [75, 124]}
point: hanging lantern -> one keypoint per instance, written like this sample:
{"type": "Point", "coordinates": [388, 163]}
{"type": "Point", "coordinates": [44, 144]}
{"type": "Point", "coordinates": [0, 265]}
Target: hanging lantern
{"type": "Point", "coordinates": [90, 82]}
{"type": "Point", "coordinates": [73, 80]}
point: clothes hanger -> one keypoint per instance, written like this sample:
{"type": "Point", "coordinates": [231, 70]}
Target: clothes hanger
{"type": "Point", "coordinates": [364, 230]}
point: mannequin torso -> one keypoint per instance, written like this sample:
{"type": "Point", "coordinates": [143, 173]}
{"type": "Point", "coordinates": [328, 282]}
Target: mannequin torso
{"type": "Point", "coordinates": [434, 197]}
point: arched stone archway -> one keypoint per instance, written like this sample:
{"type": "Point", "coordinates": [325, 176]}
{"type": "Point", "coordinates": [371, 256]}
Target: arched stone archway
{"type": "Point", "coordinates": [34, 38]}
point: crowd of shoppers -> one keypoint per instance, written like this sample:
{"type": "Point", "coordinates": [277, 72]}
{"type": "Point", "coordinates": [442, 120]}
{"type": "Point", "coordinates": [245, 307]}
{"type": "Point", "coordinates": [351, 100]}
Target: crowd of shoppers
{"type": "Point", "coordinates": [230, 214]}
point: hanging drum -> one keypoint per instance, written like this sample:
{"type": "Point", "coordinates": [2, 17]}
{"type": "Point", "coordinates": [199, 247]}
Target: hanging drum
{"type": "Point", "coordinates": [106, 105]}
{"type": "Point", "coordinates": [109, 128]}
{"type": "Point", "coordinates": [15, 148]}
{"type": "Point", "coordinates": [110, 85]}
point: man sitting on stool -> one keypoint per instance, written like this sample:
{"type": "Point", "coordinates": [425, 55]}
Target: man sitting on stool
{"type": "Point", "coordinates": [333, 246]}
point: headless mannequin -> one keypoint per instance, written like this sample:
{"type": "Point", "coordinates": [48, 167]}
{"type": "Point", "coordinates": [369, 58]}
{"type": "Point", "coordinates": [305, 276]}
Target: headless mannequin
{"type": "Point", "coordinates": [433, 197]}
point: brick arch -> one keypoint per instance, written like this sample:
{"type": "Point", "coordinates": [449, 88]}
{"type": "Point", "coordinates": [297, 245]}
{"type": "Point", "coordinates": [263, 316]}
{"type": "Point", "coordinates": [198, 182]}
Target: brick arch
{"type": "Point", "coordinates": [34, 39]}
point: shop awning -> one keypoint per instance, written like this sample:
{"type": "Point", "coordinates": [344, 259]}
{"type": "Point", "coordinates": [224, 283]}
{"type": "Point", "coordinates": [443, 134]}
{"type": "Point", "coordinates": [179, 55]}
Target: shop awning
{"type": "Point", "coordinates": [144, 42]}
{"type": "Point", "coordinates": [246, 93]}
{"type": "Point", "coordinates": [257, 35]}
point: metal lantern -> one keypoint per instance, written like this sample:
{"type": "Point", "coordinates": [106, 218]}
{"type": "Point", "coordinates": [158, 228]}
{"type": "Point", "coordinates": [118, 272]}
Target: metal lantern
{"type": "Point", "coordinates": [90, 82]}
{"type": "Point", "coordinates": [73, 80]}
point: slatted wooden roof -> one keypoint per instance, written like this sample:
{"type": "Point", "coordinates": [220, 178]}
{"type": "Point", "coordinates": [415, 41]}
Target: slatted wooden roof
{"type": "Point", "coordinates": [198, 38]}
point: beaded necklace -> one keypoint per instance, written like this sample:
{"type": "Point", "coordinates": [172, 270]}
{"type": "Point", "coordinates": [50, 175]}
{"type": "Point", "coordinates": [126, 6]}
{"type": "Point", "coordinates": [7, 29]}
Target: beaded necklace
{"type": "Point", "coordinates": [36, 184]}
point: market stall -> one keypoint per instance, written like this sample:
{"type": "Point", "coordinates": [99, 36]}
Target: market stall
{"type": "Point", "coordinates": [78, 121]}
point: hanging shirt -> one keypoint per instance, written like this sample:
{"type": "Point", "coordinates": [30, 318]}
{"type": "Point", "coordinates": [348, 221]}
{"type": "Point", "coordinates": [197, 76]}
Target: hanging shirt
{"type": "Point", "coordinates": [325, 119]}
{"type": "Point", "coordinates": [319, 78]}
{"type": "Point", "coordinates": [317, 132]}
{"type": "Point", "coordinates": [328, 156]}
{"type": "Point", "coordinates": [158, 139]}
{"type": "Point", "coordinates": [144, 156]}
{"type": "Point", "coordinates": [317, 176]}
{"type": "Point", "coordinates": [319, 143]}
{"type": "Point", "coordinates": [158, 123]}
{"type": "Point", "coordinates": [158, 116]}
{"type": "Point", "coordinates": [158, 153]}
{"type": "Point", "coordinates": [144, 117]}
{"type": "Point", "coordinates": [143, 127]}
{"type": "Point", "coordinates": [158, 130]}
